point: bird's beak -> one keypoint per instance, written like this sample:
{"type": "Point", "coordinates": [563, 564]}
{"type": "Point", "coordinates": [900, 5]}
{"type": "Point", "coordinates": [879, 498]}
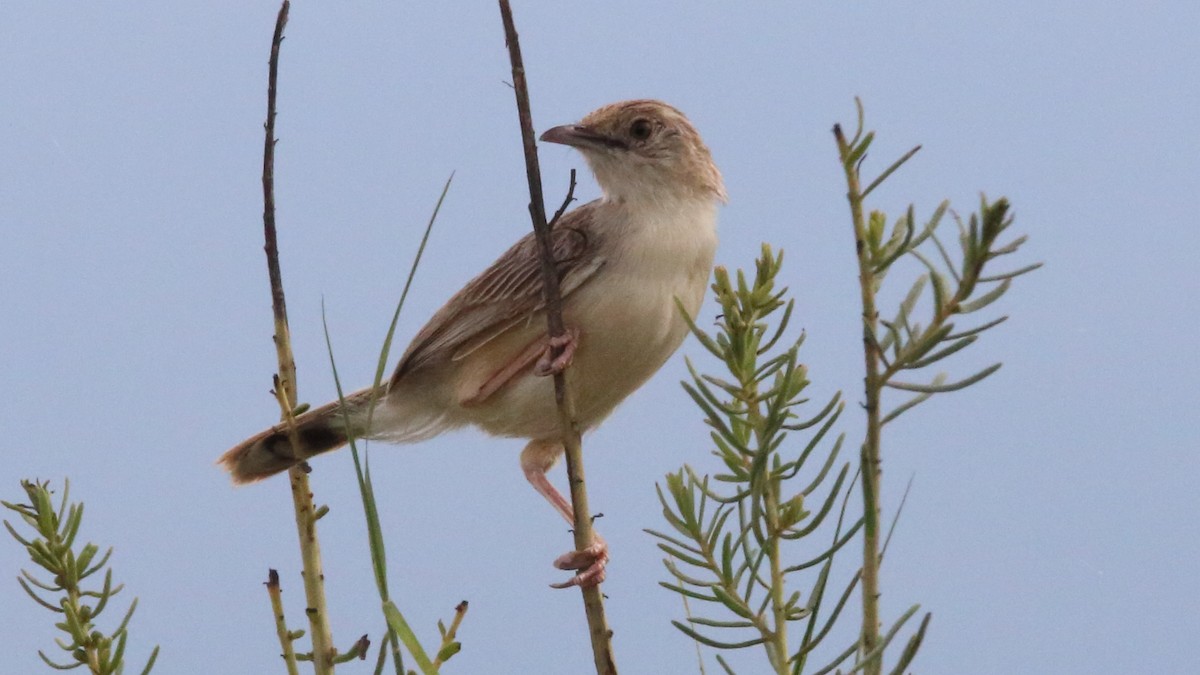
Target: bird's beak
{"type": "Point", "coordinates": [580, 136]}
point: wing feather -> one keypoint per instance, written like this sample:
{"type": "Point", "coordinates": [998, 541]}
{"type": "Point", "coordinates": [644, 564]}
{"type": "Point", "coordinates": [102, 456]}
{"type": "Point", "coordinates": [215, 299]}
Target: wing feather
{"type": "Point", "coordinates": [506, 294]}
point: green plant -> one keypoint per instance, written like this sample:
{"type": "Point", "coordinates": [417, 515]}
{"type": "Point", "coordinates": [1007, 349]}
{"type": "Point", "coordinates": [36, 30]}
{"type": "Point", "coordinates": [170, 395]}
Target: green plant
{"type": "Point", "coordinates": [740, 565]}
{"type": "Point", "coordinates": [732, 533]}
{"type": "Point", "coordinates": [53, 548]}
{"type": "Point", "coordinates": [904, 346]}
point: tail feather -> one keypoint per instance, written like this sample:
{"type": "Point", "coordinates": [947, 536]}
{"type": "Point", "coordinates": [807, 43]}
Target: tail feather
{"type": "Point", "coordinates": [318, 431]}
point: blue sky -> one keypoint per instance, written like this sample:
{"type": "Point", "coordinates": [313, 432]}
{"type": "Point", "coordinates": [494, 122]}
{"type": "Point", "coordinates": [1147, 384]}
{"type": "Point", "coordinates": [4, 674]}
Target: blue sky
{"type": "Point", "coordinates": [1053, 521]}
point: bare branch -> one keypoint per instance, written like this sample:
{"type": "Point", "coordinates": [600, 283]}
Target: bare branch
{"type": "Point", "coordinates": [285, 386]}
{"type": "Point", "coordinates": [593, 600]}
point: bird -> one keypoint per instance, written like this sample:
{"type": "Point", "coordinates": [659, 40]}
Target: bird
{"type": "Point", "coordinates": [628, 263]}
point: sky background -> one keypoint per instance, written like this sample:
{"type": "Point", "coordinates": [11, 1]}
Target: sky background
{"type": "Point", "coordinates": [1054, 520]}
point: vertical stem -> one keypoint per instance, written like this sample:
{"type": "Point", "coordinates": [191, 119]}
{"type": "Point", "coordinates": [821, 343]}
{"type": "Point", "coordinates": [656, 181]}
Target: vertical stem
{"type": "Point", "coordinates": [281, 629]}
{"type": "Point", "coordinates": [73, 595]}
{"type": "Point", "coordinates": [593, 600]}
{"type": "Point", "coordinates": [869, 459]}
{"type": "Point", "coordinates": [313, 571]}
{"type": "Point", "coordinates": [777, 642]}
{"type": "Point", "coordinates": [285, 386]}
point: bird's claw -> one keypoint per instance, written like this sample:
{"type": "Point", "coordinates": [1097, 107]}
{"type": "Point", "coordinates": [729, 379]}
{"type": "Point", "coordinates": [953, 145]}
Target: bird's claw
{"type": "Point", "coordinates": [548, 365]}
{"type": "Point", "coordinates": [589, 564]}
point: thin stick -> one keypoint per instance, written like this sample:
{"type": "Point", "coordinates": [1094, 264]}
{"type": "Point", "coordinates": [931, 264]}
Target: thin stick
{"type": "Point", "coordinates": [285, 387]}
{"type": "Point", "coordinates": [870, 646]}
{"type": "Point", "coordinates": [593, 600]}
{"type": "Point", "coordinates": [281, 629]}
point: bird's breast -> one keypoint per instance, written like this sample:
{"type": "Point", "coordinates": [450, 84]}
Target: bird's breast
{"type": "Point", "coordinates": [628, 319]}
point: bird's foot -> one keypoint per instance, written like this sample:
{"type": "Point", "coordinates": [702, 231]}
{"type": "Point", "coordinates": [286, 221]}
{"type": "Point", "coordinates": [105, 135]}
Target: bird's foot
{"type": "Point", "coordinates": [588, 563]}
{"type": "Point", "coordinates": [549, 364]}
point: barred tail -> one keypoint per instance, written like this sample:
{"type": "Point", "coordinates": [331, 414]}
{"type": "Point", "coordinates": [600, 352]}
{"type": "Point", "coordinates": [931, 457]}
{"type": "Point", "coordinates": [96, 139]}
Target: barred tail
{"type": "Point", "coordinates": [318, 431]}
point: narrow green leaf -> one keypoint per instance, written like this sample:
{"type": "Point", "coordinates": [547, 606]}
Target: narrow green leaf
{"type": "Point", "coordinates": [397, 623]}
{"type": "Point", "coordinates": [714, 420]}
{"type": "Point", "coordinates": [834, 402]}
{"type": "Point", "coordinates": [680, 555]}
{"type": "Point", "coordinates": [99, 564]}
{"type": "Point", "coordinates": [828, 553]}
{"type": "Point", "coordinates": [366, 490]}
{"type": "Point", "coordinates": [912, 402]}
{"type": "Point", "coordinates": [857, 152]}
{"type": "Point", "coordinates": [910, 649]}
{"type": "Point", "coordinates": [735, 605]}
{"type": "Point", "coordinates": [1010, 275]}
{"type": "Point", "coordinates": [716, 644]}
{"type": "Point", "coordinates": [910, 300]}
{"type": "Point", "coordinates": [977, 330]}
{"type": "Point", "coordinates": [815, 519]}
{"type": "Point", "coordinates": [829, 461]}
{"type": "Point", "coordinates": [899, 244]}
{"type": "Point", "coordinates": [59, 666]}
{"type": "Point", "coordinates": [896, 518]}
{"type": "Point", "coordinates": [703, 337]}
{"type": "Point", "coordinates": [673, 541]}
{"type": "Point", "coordinates": [688, 592]}
{"type": "Point", "coordinates": [837, 660]}
{"type": "Point", "coordinates": [150, 661]}
{"type": "Point", "coordinates": [922, 345]}
{"type": "Point", "coordinates": [837, 609]}
{"type": "Point", "coordinates": [36, 597]}
{"type": "Point", "coordinates": [987, 299]}
{"type": "Point", "coordinates": [779, 330]}
{"type": "Point", "coordinates": [124, 625]}
{"type": "Point", "coordinates": [945, 257]}
{"type": "Point", "coordinates": [888, 171]}
{"type": "Point", "coordinates": [1010, 248]}
{"type": "Point", "coordinates": [449, 650]}
{"type": "Point", "coordinates": [940, 354]}
{"type": "Point", "coordinates": [720, 624]}
{"type": "Point", "coordinates": [381, 365]}
{"type": "Point", "coordinates": [954, 386]}
{"type": "Point", "coordinates": [877, 653]}
{"type": "Point", "coordinates": [876, 221]}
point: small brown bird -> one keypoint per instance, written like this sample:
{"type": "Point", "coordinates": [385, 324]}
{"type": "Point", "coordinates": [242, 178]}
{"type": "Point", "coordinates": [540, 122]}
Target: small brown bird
{"type": "Point", "coordinates": [482, 359]}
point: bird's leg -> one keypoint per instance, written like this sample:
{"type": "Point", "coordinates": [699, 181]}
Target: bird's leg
{"type": "Point", "coordinates": [537, 458]}
{"type": "Point", "coordinates": [551, 365]}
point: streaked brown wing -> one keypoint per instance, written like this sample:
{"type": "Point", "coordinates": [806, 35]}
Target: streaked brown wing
{"type": "Point", "coordinates": [506, 294]}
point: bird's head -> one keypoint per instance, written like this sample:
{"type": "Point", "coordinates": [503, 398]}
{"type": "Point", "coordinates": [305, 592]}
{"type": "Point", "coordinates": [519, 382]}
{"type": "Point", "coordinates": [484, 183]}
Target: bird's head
{"type": "Point", "coordinates": [643, 150]}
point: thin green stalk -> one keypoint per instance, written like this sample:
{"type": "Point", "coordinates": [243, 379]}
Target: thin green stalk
{"type": "Point", "coordinates": [779, 642]}
{"type": "Point", "coordinates": [776, 636]}
{"type": "Point", "coordinates": [870, 459]}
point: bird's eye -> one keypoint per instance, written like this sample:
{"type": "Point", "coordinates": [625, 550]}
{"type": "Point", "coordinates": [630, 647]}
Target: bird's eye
{"type": "Point", "coordinates": [641, 129]}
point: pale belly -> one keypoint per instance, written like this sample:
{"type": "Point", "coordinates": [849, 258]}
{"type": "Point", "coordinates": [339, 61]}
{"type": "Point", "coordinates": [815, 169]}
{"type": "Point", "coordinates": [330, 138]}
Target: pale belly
{"type": "Point", "coordinates": [629, 326]}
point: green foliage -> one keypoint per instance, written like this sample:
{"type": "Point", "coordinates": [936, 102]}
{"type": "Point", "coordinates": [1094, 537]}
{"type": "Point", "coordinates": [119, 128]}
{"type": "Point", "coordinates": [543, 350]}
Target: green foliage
{"type": "Point", "coordinates": [53, 549]}
{"type": "Point", "coordinates": [957, 287]}
{"type": "Point", "coordinates": [730, 531]}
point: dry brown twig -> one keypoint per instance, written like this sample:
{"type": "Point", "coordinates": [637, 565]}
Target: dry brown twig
{"type": "Point", "coordinates": [593, 600]}
{"type": "Point", "coordinates": [285, 388]}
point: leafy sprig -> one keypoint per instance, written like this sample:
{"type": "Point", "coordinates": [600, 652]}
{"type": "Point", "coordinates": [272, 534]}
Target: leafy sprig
{"type": "Point", "coordinates": [957, 287]}
{"type": "Point", "coordinates": [53, 548]}
{"type": "Point", "coordinates": [727, 548]}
